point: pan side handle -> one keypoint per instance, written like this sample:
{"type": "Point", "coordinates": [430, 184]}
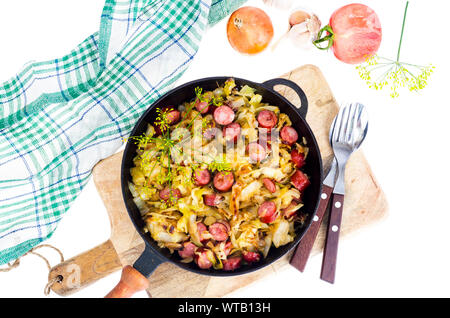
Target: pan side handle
{"type": "Point", "coordinates": [135, 278]}
{"type": "Point", "coordinates": [303, 110]}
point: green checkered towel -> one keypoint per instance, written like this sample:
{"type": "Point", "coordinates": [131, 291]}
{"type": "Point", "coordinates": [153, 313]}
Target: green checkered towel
{"type": "Point", "coordinates": [59, 118]}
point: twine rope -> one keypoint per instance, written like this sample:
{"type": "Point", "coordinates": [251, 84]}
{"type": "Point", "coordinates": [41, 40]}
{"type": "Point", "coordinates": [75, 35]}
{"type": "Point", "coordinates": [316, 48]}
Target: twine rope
{"type": "Point", "coordinates": [16, 263]}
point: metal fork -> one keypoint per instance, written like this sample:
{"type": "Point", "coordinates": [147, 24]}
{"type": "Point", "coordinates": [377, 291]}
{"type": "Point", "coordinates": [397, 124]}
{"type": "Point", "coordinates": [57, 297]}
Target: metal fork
{"type": "Point", "coordinates": [349, 130]}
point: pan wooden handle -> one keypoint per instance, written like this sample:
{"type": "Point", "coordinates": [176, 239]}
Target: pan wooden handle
{"type": "Point", "coordinates": [84, 269]}
{"type": "Point", "coordinates": [134, 278]}
{"type": "Point", "coordinates": [331, 244]}
{"type": "Point", "coordinates": [301, 253]}
{"type": "Point", "coordinates": [130, 282]}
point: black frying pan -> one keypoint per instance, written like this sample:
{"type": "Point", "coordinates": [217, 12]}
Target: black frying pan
{"type": "Point", "coordinates": [153, 256]}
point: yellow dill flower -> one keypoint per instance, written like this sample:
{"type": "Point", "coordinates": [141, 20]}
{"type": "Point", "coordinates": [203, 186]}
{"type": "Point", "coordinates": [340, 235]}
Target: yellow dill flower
{"type": "Point", "coordinates": [380, 72]}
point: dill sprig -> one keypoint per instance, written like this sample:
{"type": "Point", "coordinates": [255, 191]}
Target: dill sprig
{"type": "Point", "coordinates": [163, 145]}
{"type": "Point", "coordinates": [162, 119]}
{"type": "Point", "coordinates": [199, 94]}
{"type": "Point", "coordinates": [217, 100]}
{"type": "Point", "coordinates": [379, 72]}
{"type": "Point", "coordinates": [141, 141]}
{"type": "Point", "coordinates": [208, 97]}
{"type": "Point", "coordinates": [219, 164]}
{"type": "Point", "coordinates": [205, 123]}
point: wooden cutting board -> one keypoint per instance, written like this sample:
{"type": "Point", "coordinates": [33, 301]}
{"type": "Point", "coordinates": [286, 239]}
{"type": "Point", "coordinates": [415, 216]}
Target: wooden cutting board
{"type": "Point", "coordinates": [364, 204]}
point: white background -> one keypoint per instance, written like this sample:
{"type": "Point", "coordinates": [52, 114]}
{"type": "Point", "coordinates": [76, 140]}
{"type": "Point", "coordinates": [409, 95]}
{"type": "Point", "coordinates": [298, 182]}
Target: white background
{"type": "Point", "coordinates": [405, 255]}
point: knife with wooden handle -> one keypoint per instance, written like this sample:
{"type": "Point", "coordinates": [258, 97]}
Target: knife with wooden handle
{"type": "Point", "coordinates": [303, 249]}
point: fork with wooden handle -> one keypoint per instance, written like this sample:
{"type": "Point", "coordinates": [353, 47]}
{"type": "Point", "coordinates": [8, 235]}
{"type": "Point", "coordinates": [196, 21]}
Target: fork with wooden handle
{"type": "Point", "coordinates": [303, 249]}
{"type": "Point", "coordinates": [349, 130]}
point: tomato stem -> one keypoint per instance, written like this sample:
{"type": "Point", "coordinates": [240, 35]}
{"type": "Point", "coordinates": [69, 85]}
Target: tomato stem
{"type": "Point", "coordinates": [328, 37]}
{"type": "Point", "coordinates": [403, 28]}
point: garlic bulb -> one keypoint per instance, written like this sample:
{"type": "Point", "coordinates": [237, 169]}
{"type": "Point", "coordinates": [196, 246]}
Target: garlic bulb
{"type": "Point", "coordinates": [304, 27]}
{"type": "Point", "coordinates": [279, 4]}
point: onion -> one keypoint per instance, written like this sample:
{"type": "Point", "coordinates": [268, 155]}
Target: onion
{"type": "Point", "coordinates": [249, 30]}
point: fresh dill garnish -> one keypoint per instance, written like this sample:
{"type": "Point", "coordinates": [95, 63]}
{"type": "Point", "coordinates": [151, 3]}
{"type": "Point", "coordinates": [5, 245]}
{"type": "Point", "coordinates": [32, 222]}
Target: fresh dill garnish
{"type": "Point", "coordinates": [198, 92]}
{"type": "Point", "coordinates": [187, 178]}
{"type": "Point", "coordinates": [141, 141]}
{"type": "Point", "coordinates": [205, 123]}
{"type": "Point", "coordinates": [379, 72]}
{"type": "Point", "coordinates": [163, 178]}
{"type": "Point", "coordinates": [208, 97]}
{"type": "Point", "coordinates": [162, 119]}
{"type": "Point", "coordinates": [155, 152]}
{"type": "Point", "coordinates": [217, 100]}
{"type": "Point", "coordinates": [219, 164]}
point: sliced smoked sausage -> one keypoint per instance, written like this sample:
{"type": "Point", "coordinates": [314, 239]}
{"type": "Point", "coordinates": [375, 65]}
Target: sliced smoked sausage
{"type": "Point", "coordinates": [270, 185]}
{"type": "Point", "coordinates": [267, 212]}
{"type": "Point", "coordinates": [201, 259]}
{"type": "Point", "coordinates": [232, 263]}
{"type": "Point", "coordinates": [223, 115]}
{"type": "Point", "coordinates": [231, 132]}
{"type": "Point", "coordinates": [212, 199]}
{"type": "Point", "coordinates": [226, 224]}
{"type": "Point", "coordinates": [267, 119]}
{"type": "Point", "coordinates": [256, 152]}
{"type": "Point", "coordinates": [218, 231]}
{"type": "Point", "coordinates": [202, 107]}
{"type": "Point", "coordinates": [202, 177]}
{"type": "Point", "coordinates": [251, 257]}
{"type": "Point", "coordinates": [188, 250]}
{"type": "Point", "coordinates": [223, 181]}
{"type": "Point", "coordinates": [202, 230]}
{"type": "Point", "coordinates": [298, 158]}
{"type": "Point", "coordinates": [290, 211]}
{"type": "Point", "coordinates": [173, 115]}
{"type": "Point", "coordinates": [288, 135]}
{"type": "Point", "coordinates": [167, 193]}
{"type": "Point", "coordinates": [300, 180]}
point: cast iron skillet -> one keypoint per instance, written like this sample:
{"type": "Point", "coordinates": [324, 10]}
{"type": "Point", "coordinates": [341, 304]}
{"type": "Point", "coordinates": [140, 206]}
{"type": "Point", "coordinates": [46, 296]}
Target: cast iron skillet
{"type": "Point", "coordinates": [153, 256]}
